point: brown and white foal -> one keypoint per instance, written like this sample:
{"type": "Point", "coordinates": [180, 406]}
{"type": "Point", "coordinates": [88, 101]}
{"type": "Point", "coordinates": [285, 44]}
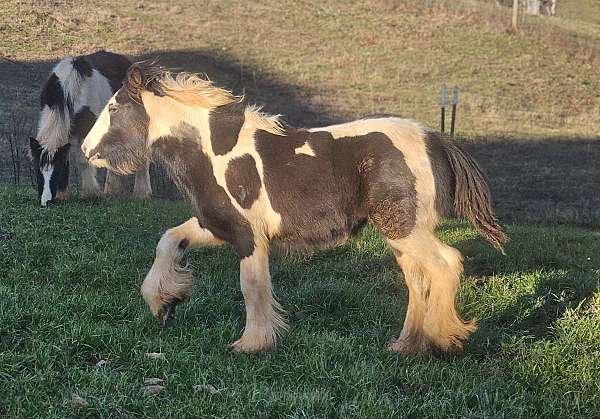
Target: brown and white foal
{"type": "Point", "coordinates": [253, 181]}
{"type": "Point", "coordinates": [73, 96]}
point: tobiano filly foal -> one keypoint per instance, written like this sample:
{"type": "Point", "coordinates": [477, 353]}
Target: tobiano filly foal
{"type": "Point", "coordinates": [253, 181]}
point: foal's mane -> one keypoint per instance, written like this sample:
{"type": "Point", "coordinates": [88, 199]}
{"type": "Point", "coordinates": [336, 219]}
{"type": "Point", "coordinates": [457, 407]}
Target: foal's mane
{"type": "Point", "coordinates": [197, 91]}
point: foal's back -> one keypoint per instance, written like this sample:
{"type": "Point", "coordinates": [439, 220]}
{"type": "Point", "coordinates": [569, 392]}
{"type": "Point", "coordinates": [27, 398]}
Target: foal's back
{"type": "Point", "coordinates": [327, 182]}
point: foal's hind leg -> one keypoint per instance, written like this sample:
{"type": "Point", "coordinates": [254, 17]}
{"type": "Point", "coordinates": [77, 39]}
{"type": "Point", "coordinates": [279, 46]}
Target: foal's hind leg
{"type": "Point", "coordinates": [432, 272]}
{"type": "Point", "coordinates": [264, 315]}
{"type": "Point", "coordinates": [167, 284]}
{"type": "Point", "coordinates": [114, 185]}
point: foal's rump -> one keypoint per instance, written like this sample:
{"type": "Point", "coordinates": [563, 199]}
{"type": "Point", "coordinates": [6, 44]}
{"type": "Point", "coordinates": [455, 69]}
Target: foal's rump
{"type": "Point", "coordinates": [409, 177]}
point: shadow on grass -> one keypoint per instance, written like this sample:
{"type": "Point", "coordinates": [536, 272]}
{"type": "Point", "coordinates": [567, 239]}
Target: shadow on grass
{"type": "Point", "coordinates": [562, 273]}
{"type": "Point", "coordinates": [550, 179]}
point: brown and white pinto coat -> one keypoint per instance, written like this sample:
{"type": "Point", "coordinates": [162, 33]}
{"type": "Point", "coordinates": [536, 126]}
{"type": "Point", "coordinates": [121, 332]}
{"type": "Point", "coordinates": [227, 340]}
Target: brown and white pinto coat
{"type": "Point", "coordinates": [253, 181]}
{"type": "Point", "coordinates": [73, 96]}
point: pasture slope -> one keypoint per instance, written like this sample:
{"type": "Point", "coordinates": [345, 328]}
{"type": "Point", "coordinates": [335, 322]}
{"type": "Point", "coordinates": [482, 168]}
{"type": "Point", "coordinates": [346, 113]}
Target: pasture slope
{"type": "Point", "coordinates": [71, 317]}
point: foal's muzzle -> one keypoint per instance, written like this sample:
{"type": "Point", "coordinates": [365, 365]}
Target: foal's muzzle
{"type": "Point", "coordinates": [84, 149]}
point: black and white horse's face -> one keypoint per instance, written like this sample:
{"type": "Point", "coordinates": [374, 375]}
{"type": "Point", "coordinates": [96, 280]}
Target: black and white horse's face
{"type": "Point", "coordinates": [117, 141]}
{"type": "Point", "coordinates": [52, 171]}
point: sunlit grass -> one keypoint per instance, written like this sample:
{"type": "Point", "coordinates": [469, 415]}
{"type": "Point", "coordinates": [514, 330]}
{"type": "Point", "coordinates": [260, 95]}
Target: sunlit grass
{"type": "Point", "coordinates": [69, 298]}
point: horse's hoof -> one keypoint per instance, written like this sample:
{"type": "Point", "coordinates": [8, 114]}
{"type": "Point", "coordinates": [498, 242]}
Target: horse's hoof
{"type": "Point", "coordinates": [166, 314]}
{"type": "Point", "coordinates": [247, 346]}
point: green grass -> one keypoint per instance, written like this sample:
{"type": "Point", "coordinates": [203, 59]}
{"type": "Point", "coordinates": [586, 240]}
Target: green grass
{"type": "Point", "coordinates": [69, 297]}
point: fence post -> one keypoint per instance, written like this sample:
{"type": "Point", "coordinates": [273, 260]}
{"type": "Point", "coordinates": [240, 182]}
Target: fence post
{"type": "Point", "coordinates": [454, 102]}
{"type": "Point", "coordinates": [443, 107]}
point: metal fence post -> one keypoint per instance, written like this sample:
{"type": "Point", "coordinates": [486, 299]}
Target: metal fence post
{"type": "Point", "coordinates": [454, 102]}
{"type": "Point", "coordinates": [443, 107]}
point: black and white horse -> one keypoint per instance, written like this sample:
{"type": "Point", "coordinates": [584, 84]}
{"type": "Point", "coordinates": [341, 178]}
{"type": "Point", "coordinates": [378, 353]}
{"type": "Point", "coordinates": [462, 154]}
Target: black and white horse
{"type": "Point", "coordinates": [254, 181]}
{"type": "Point", "coordinates": [74, 94]}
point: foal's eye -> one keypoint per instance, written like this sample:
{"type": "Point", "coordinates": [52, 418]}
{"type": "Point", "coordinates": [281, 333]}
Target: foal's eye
{"type": "Point", "coordinates": [112, 108]}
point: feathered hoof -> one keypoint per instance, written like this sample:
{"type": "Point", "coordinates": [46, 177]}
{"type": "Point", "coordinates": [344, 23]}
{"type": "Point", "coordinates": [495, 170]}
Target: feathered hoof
{"type": "Point", "coordinates": [410, 346]}
{"type": "Point", "coordinates": [250, 345]}
{"type": "Point", "coordinates": [451, 343]}
{"type": "Point", "coordinates": [166, 314]}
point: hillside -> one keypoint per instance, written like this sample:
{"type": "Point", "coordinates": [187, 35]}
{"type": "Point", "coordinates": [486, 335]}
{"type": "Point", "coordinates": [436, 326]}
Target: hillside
{"type": "Point", "coordinates": [325, 61]}
{"type": "Point", "coordinates": [529, 106]}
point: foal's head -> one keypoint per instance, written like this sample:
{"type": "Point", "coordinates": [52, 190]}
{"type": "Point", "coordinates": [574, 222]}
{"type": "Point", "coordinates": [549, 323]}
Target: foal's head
{"type": "Point", "coordinates": [51, 169]}
{"type": "Point", "coordinates": [117, 140]}
{"type": "Point", "coordinates": [150, 100]}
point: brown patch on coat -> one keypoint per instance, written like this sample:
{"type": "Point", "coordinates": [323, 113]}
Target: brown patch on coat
{"type": "Point", "coordinates": [192, 172]}
{"type": "Point", "coordinates": [326, 198]}
{"type": "Point", "coordinates": [243, 180]}
{"type": "Point", "coordinates": [443, 177]}
{"type": "Point", "coordinates": [225, 123]}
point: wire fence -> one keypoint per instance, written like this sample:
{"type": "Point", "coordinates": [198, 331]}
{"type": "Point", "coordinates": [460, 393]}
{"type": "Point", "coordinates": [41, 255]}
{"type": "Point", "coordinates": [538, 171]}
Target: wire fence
{"type": "Point", "coordinates": [16, 167]}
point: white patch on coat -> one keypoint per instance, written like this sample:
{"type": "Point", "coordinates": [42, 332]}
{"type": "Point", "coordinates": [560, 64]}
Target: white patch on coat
{"type": "Point", "coordinates": [166, 113]}
{"type": "Point", "coordinates": [264, 219]}
{"type": "Point", "coordinates": [409, 137]}
{"type": "Point", "coordinates": [54, 125]}
{"type": "Point", "coordinates": [305, 149]}
{"type": "Point", "coordinates": [53, 129]}
{"type": "Point", "coordinates": [70, 79]}
{"type": "Point", "coordinates": [47, 171]}
{"type": "Point", "coordinates": [94, 92]}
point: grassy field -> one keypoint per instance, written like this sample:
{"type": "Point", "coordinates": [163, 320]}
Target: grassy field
{"type": "Point", "coordinates": [316, 61]}
{"type": "Point", "coordinates": [71, 317]}
{"type": "Point", "coordinates": [69, 299]}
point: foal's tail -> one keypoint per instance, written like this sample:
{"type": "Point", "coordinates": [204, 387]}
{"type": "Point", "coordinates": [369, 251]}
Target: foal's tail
{"type": "Point", "coordinates": [472, 195]}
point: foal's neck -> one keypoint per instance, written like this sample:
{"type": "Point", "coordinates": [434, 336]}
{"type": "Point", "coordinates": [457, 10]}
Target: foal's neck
{"type": "Point", "coordinates": [167, 116]}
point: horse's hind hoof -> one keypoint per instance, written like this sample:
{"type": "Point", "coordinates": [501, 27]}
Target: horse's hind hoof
{"type": "Point", "coordinates": [166, 315]}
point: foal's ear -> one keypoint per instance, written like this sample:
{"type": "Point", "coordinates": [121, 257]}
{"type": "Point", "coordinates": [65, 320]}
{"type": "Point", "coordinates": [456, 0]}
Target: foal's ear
{"type": "Point", "coordinates": [35, 148]}
{"type": "Point", "coordinates": [135, 78]}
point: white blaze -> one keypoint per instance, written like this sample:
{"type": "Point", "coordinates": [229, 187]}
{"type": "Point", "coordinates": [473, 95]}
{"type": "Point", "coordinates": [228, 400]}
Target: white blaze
{"type": "Point", "coordinates": [46, 193]}
{"type": "Point", "coordinates": [98, 130]}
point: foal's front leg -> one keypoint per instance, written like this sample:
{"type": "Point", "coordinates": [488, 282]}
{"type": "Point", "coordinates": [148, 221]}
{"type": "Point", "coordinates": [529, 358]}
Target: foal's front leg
{"type": "Point", "coordinates": [167, 283]}
{"type": "Point", "coordinates": [264, 316]}
{"type": "Point", "coordinates": [142, 188]}
{"type": "Point", "coordinates": [88, 184]}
